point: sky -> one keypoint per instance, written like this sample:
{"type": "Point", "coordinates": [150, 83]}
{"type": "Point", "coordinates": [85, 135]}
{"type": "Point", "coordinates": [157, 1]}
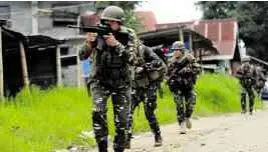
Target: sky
{"type": "Point", "coordinates": [172, 11]}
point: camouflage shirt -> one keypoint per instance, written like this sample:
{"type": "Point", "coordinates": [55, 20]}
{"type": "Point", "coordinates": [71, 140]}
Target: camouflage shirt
{"type": "Point", "coordinates": [111, 65]}
{"type": "Point", "coordinates": [183, 76]}
{"type": "Point", "coordinates": [246, 75]}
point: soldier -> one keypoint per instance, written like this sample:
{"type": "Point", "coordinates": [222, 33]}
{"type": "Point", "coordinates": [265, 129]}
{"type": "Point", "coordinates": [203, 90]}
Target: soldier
{"type": "Point", "coordinates": [182, 74]}
{"type": "Point", "coordinates": [148, 71]}
{"type": "Point", "coordinates": [246, 75]}
{"type": "Point", "coordinates": [110, 76]}
{"type": "Point", "coordinates": [260, 80]}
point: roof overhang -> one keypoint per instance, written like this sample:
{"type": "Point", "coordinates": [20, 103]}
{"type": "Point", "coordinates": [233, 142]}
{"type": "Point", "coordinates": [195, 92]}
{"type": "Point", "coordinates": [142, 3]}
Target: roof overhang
{"type": "Point", "coordinates": [159, 36]}
{"type": "Point", "coordinates": [217, 57]}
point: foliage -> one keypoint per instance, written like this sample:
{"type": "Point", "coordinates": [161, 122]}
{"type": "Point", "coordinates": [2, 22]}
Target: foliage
{"type": "Point", "coordinates": [54, 119]}
{"type": "Point", "coordinates": [252, 19]}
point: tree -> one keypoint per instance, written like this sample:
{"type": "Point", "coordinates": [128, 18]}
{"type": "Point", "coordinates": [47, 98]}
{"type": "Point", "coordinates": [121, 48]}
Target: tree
{"type": "Point", "coordinates": [252, 20]}
{"type": "Point", "coordinates": [131, 20]}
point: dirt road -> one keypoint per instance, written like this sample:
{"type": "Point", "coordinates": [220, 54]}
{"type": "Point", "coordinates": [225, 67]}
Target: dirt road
{"type": "Point", "coordinates": [228, 133]}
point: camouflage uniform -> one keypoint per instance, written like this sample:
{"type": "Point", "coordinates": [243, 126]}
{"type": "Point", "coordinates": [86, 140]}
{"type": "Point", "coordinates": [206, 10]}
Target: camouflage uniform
{"type": "Point", "coordinates": [110, 76]}
{"type": "Point", "coordinates": [182, 86]}
{"type": "Point", "coordinates": [246, 76]}
{"type": "Point", "coordinates": [182, 76]}
{"type": "Point", "coordinates": [145, 89]}
{"type": "Point", "coordinates": [260, 80]}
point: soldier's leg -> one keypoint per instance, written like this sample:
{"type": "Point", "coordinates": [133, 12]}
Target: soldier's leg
{"type": "Point", "coordinates": [243, 100]}
{"type": "Point", "coordinates": [251, 100]}
{"type": "Point", "coordinates": [160, 90]}
{"type": "Point", "coordinates": [99, 116]}
{"type": "Point", "coordinates": [136, 99]}
{"type": "Point", "coordinates": [149, 107]}
{"type": "Point", "coordinates": [178, 98]}
{"type": "Point", "coordinates": [121, 108]}
{"type": "Point", "coordinates": [190, 101]}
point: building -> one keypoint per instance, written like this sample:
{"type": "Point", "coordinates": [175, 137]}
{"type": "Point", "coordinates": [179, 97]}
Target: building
{"type": "Point", "coordinates": [166, 36]}
{"type": "Point", "coordinates": [147, 19]}
{"type": "Point", "coordinates": [223, 33]}
{"type": "Point", "coordinates": [26, 60]}
{"type": "Point", "coordinates": [50, 18]}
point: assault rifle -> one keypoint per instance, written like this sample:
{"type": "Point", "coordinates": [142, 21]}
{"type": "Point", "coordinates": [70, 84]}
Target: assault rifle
{"type": "Point", "coordinates": [102, 30]}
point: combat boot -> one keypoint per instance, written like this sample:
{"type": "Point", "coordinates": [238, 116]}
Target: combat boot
{"type": "Point", "coordinates": [103, 146]}
{"type": "Point", "coordinates": [250, 112]}
{"type": "Point", "coordinates": [188, 123]}
{"type": "Point", "coordinates": [157, 140]}
{"type": "Point", "coordinates": [128, 142]}
{"type": "Point", "coordinates": [118, 150]}
{"type": "Point", "coordinates": [183, 127]}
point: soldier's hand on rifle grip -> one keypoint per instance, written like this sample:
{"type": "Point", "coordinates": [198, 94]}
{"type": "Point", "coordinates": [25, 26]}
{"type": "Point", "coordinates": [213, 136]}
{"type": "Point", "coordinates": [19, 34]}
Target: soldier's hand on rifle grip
{"type": "Point", "coordinates": [110, 40]}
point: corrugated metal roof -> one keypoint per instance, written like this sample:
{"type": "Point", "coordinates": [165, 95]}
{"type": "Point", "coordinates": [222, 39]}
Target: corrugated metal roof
{"type": "Point", "coordinates": [10, 39]}
{"type": "Point", "coordinates": [222, 32]}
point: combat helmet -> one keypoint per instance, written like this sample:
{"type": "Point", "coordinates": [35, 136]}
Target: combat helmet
{"type": "Point", "coordinates": [178, 45]}
{"type": "Point", "coordinates": [113, 13]}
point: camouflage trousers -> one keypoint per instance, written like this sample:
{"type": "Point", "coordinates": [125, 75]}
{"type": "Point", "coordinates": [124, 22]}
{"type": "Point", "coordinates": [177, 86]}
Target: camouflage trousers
{"type": "Point", "coordinates": [185, 101]}
{"type": "Point", "coordinates": [148, 97]}
{"type": "Point", "coordinates": [160, 89]}
{"type": "Point", "coordinates": [244, 92]}
{"type": "Point", "coordinates": [121, 106]}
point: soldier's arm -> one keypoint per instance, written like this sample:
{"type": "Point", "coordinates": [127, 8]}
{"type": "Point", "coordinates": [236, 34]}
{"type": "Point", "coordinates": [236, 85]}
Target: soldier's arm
{"type": "Point", "coordinates": [155, 59]}
{"type": "Point", "coordinates": [129, 51]}
{"type": "Point", "coordinates": [151, 56]}
{"type": "Point", "coordinates": [196, 68]}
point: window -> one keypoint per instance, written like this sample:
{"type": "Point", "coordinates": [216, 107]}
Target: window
{"type": "Point", "coordinates": [65, 14]}
{"type": "Point", "coordinates": [4, 12]}
{"type": "Point", "coordinates": [64, 50]}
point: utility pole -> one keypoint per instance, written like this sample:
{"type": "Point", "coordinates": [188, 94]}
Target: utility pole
{"type": "Point", "coordinates": [34, 17]}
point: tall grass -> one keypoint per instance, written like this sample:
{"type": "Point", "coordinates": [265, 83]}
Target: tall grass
{"type": "Point", "coordinates": [40, 121]}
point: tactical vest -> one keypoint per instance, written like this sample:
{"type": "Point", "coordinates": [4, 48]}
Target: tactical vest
{"type": "Point", "coordinates": [111, 69]}
{"type": "Point", "coordinates": [186, 77]}
{"type": "Point", "coordinates": [248, 77]}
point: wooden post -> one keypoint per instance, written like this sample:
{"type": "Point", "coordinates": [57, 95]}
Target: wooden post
{"type": "Point", "coordinates": [190, 42]}
{"type": "Point", "coordinates": [24, 65]}
{"type": "Point", "coordinates": [78, 69]}
{"type": "Point", "coordinates": [181, 35]}
{"type": "Point", "coordinates": [200, 58]}
{"type": "Point", "coordinates": [1, 68]}
{"type": "Point", "coordinates": [58, 63]}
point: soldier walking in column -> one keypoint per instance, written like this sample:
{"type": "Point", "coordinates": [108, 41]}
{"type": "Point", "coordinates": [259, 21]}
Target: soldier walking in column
{"type": "Point", "coordinates": [110, 76]}
{"type": "Point", "coordinates": [148, 71]}
{"type": "Point", "coordinates": [246, 74]}
{"type": "Point", "coordinates": [182, 75]}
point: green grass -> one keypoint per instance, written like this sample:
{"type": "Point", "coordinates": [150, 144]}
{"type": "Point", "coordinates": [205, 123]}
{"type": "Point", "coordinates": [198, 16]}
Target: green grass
{"type": "Point", "coordinates": [40, 121]}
